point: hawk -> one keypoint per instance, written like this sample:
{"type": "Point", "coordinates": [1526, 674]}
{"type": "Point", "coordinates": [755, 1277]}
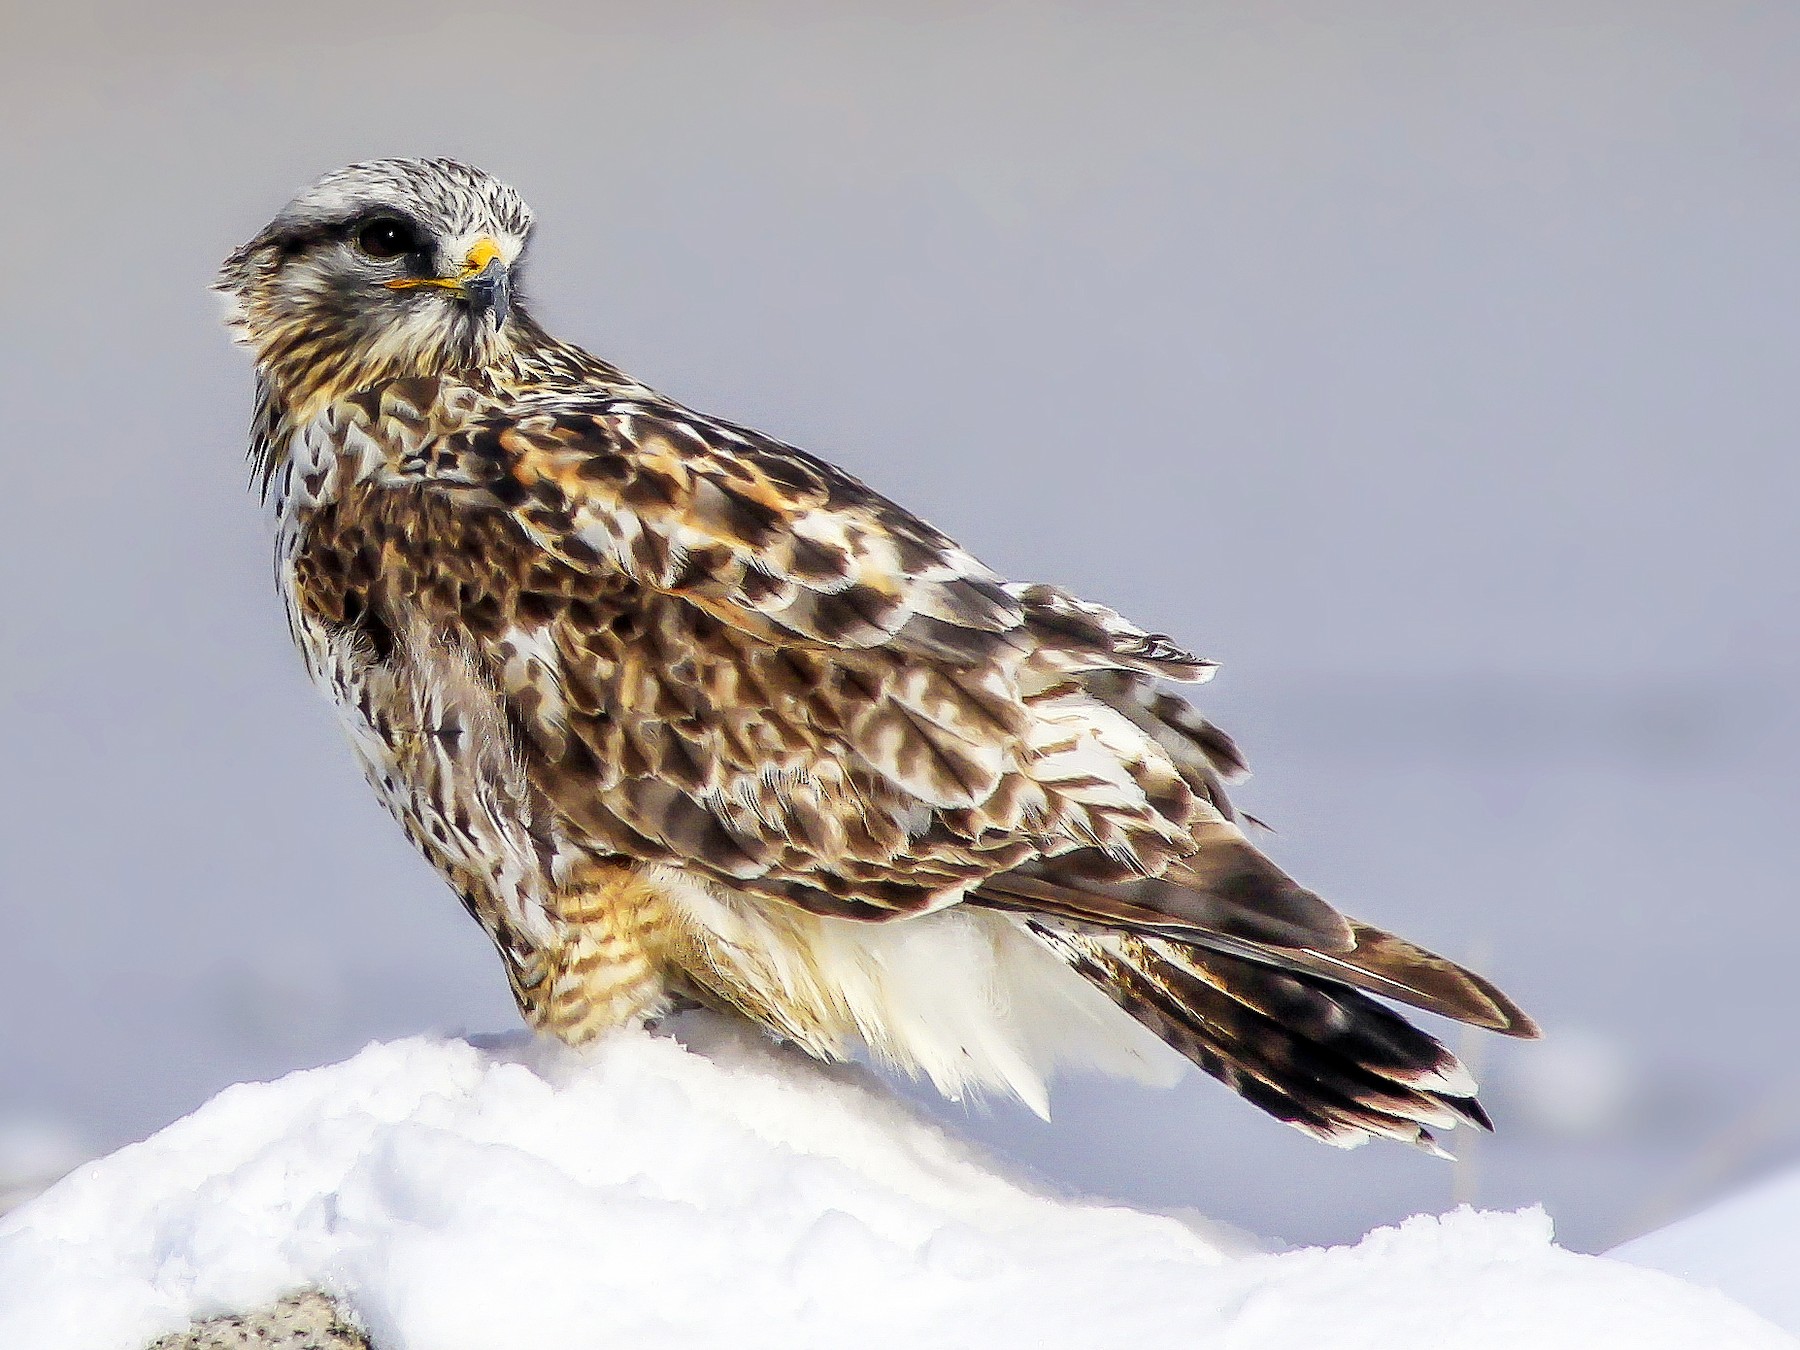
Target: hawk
{"type": "Point", "coordinates": [685, 715]}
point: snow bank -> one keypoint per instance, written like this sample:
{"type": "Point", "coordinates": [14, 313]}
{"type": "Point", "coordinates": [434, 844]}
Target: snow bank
{"type": "Point", "coordinates": [1748, 1246]}
{"type": "Point", "coordinates": [458, 1196]}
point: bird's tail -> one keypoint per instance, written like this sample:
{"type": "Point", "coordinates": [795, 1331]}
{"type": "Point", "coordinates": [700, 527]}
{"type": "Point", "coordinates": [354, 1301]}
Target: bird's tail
{"type": "Point", "coordinates": [1284, 1029]}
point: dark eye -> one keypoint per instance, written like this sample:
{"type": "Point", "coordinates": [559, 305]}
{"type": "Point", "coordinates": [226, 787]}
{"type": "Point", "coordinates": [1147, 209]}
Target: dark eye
{"type": "Point", "coordinates": [387, 238]}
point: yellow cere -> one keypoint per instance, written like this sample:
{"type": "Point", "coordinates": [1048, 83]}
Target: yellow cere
{"type": "Point", "coordinates": [484, 252]}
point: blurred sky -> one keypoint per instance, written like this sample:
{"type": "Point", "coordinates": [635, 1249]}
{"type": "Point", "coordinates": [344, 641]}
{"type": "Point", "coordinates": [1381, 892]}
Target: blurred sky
{"type": "Point", "coordinates": [1432, 366]}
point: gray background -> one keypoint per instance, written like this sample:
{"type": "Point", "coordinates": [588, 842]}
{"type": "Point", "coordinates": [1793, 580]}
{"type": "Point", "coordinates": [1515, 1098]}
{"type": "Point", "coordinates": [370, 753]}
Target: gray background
{"type": "Point", "coordinates": [1430, 365]}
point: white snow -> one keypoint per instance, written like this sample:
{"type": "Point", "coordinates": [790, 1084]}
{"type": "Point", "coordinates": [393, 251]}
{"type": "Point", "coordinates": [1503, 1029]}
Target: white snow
{"type": "Point", "coordinates": [1747, 1246]}
{"type": "Point", "coordinates": [644, 1192]}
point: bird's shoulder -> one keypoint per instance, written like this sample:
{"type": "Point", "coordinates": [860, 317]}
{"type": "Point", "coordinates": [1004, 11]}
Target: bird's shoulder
{"type": "Point", "coordinates": [606, 478]}
{"type": "Point", "coordinates": [757, 531]}
{"type": "Point", "coordinates": [763, 535]}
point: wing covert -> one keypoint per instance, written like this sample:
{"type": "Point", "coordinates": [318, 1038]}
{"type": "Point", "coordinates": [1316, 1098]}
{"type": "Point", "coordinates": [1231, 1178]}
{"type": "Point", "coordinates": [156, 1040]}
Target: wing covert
{"type": "Point", "coordinates": [771, 540]}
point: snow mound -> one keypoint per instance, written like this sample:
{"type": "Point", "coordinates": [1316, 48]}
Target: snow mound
{"type": "Point", "coordinates": [457, 1196]}
{"type": "Point", "coordinates": [1747, 1246]}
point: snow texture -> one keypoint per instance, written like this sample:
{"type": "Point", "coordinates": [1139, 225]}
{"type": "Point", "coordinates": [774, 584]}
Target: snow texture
{"type": "Point", "coordinates": [1748, 1246]}
{"type": "Point", "coordinates": [646, 1192]}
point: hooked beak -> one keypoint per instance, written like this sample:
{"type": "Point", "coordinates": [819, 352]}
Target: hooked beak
{"type": "Point", "coordinates": [489, 291]}
{"type": "Point", "coordinates": [483, 283]}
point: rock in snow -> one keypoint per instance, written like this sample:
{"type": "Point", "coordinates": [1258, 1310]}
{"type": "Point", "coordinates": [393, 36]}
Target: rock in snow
{"type": "Point", "coordinates": [457, 1196]}
{"type": "Point", "coordinates": [303, 1321]}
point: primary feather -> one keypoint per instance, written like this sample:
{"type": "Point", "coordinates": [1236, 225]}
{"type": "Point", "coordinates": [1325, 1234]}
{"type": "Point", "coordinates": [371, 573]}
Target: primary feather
{"type": "Point", "coordinates": [684, 713]}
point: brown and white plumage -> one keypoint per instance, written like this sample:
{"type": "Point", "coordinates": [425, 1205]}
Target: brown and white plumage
{"type": "Point", "coordinates": [684, 713]}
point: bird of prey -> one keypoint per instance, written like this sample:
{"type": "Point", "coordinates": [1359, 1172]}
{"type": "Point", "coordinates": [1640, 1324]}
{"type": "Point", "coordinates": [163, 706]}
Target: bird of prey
{"type": "Point", "coordinates": [686, 715]}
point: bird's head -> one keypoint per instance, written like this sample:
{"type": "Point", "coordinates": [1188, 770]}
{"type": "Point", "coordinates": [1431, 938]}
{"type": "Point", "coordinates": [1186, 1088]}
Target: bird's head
{"type": "Point", "coordinates": [378, 271]}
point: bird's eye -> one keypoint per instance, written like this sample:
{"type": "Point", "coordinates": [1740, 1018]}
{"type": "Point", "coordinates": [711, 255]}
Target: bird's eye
{"type": "Point", "coordinates": [387, 238]}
